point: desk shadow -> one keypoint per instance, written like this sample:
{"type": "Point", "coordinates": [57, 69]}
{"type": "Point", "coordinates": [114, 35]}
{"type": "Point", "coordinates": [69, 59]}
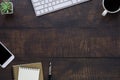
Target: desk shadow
{"type": "Point", "coordinates": [9, 17]}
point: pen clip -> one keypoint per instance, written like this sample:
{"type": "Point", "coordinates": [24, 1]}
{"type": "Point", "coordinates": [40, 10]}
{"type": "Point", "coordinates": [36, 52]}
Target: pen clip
{"type": "Point", "coordinates": [50, 68]}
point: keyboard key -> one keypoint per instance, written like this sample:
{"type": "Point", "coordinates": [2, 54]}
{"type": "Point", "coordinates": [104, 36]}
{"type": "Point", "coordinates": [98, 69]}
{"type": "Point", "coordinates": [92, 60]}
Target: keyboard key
{"type": "Point", "coordinates": [42, 2]}
{"type": "Point", "coordinates": [42, 11]}
{"type": "Point", "coordinates": [61, 0]}
{"type": "Point", "coordinates": [38, 13]}
{"type": "Point", "coordinates": [82, 1]}
{"type": "Point", "coordinates": [45, 5]}
{"type": "Point", "coordinates": [74, 1]}
{"type": "Point", "coordinates": [50, 8]}
{"type": "Point", "coordinates": [46, 10]}
{"type": "Point", "coordinates": [35, 1]}
{"type": "Point", "coordinates": [57, 2]}
{"type": "Point", "coordinates": [50, 0]}
{"type": "Point", "coordinates": [65, 4]}
{"type": "Point", "coordinates": [39, 7]}
{"type": "Point", "coordinates": [65, 0]}
{"type": "Point", "coordinates": [37, 4]}
{"type": "Point", "coordinates": [53, 3]}
{"type": "Point", "coordinates": [46, 1]}
{"type": "Point", "coordinates": [50, 4]}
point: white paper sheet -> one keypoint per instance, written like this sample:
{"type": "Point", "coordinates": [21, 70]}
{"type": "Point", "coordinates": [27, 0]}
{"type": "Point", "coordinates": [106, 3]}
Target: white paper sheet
{"type": "Point", "coordinates": [28, 73]}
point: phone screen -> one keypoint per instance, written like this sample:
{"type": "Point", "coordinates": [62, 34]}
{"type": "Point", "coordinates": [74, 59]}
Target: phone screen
{"type": "Point", "coordinates": [4, 55]}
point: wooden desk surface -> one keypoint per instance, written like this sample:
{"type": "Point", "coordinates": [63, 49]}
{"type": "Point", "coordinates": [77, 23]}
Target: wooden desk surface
{"type": "Point", "coordinates": [81, 44]}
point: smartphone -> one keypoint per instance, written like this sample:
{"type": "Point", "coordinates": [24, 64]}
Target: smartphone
{"type": "Point", "coordinates": [5, 56]}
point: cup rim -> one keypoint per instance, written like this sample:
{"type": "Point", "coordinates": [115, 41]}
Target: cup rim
{"type": "Point", "coordinates": [108, 10]}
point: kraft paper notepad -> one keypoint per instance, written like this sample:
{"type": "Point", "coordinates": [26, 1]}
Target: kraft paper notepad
{"type": "Point", "coordinates": [32, 67]}
{"type": "Point", "coordinates": [28, 73]}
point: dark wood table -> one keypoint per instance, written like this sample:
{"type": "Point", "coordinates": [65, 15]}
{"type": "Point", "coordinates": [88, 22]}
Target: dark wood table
{"type": "Point", "coordinates": [80, 43]}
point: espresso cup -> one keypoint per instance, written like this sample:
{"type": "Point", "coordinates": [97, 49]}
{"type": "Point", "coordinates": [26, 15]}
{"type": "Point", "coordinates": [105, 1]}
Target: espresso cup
{"type": "Point", "coordinates": [110, 6]}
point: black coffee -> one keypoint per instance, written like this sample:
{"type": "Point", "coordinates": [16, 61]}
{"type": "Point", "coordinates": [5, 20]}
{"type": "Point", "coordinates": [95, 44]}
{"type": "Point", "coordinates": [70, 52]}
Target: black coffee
{"type": "Point", "coordinates": [112, 5]}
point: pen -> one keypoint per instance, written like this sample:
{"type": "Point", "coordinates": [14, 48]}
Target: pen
{"type": "Point", "coordinates": [50, 72]}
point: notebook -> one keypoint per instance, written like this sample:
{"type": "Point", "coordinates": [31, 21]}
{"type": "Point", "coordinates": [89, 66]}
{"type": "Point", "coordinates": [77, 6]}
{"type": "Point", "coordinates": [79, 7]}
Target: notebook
{"type": "Point", "coordinates": [28, 73]}
{"type": "Point", "coordinates": [31, 65]}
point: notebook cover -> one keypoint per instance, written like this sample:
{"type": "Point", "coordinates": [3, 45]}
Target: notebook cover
{"type": "Point", "coordinates": [31, 65]}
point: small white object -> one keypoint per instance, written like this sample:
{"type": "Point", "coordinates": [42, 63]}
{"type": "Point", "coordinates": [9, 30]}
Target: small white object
{"type": "Point", "coordinates": [53, 5]}
{"type": "Point", "coordinates": [28, 73]}
{"type": "Point", "coordinates": [104, 12]}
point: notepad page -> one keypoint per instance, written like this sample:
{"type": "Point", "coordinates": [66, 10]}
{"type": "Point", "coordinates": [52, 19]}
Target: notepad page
{"type": "Point", "coordinates": [28, 73]}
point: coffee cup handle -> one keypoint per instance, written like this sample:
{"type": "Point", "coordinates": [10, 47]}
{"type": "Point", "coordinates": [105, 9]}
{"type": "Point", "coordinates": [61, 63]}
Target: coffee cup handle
{"type": "Point", "coordinates": [104, 12]}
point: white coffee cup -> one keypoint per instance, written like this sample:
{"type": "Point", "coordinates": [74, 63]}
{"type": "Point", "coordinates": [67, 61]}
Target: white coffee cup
{"type": "Point", "coordinates": [107, 11]}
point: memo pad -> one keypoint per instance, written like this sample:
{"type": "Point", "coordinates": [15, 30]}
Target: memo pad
{"type": "Point", "coordinates": [28, 73]}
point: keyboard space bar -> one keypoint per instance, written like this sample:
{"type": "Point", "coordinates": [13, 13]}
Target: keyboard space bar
{"type": "Point", "coordinates": [62, 5]}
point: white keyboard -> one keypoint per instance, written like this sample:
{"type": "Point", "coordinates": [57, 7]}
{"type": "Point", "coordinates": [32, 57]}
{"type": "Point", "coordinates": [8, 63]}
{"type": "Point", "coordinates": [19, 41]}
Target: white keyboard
{"type": "Point", "coordinates": [42, 7]}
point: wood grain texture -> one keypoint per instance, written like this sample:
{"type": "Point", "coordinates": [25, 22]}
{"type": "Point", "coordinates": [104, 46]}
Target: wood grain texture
{"type": "Point", "coordinates": [63, 42]}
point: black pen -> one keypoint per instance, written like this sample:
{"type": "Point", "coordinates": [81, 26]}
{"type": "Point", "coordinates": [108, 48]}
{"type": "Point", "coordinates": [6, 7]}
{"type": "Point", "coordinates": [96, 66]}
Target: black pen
{"type": "Point", "coordinates": [50, 72]}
